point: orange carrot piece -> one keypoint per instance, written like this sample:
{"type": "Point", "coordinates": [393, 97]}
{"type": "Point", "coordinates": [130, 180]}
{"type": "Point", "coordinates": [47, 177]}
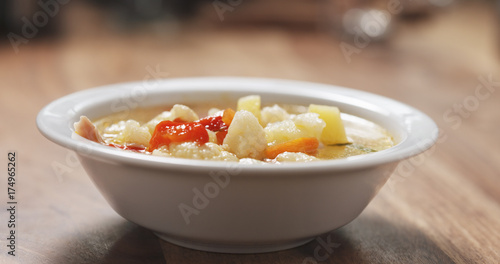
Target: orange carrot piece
{"type": "Point", "coordinates": [221, 135]}
{"type": "Point", "coordinates": [228, 115]}
{"type": "Point", "coordinates": [305, 145]}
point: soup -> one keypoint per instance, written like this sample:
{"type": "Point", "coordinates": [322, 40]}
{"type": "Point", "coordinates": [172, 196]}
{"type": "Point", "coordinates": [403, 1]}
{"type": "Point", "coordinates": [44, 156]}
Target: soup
{"type": "Point", "coordinates": [249, 134]}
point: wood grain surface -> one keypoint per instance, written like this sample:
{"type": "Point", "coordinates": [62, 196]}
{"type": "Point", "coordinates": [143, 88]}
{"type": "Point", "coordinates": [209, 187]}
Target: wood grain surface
{"type": "Point", "coordinates": [442, 206]}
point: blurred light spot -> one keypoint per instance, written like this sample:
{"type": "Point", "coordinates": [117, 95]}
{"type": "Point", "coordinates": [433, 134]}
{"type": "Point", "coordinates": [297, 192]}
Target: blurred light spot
{"type": "Point", "coordinates": [351, 20]}
{"type": "Point", "coordinates": [374, 23]}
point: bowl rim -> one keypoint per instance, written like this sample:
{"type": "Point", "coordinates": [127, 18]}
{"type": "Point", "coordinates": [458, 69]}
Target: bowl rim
{"type": "Point", "coordinates": [55, 122]}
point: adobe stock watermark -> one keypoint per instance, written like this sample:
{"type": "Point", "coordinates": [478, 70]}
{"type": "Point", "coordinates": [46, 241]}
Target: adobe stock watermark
{"type": "Point", "coordinates": [470, 104]}
{"type": "Point", "coordinates": [132, 99]}
{"type": "Point", "coordinates": [323, 250]}
{"type": "Point", "coordinates": [407, 167]}
{"type": "Point", "coordinates": [40, 19]}
{"type": "Point", "coordinates": [370, 25]}
{"type": "Point", "coordinates": [70, 163]}
{"type": "Point", "coordinates": [222, 7]}
{"type": "Point", "coordinates": [202, 198]}
{"type": "Point", "coordinates": [124, 104]}
{"type": "Point", "coordinates": [454, 117]}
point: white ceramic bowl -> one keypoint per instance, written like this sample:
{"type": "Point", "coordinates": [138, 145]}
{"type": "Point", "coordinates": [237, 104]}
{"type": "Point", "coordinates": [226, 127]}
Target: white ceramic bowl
{"type": "Point", "coordinates": [230, 207]}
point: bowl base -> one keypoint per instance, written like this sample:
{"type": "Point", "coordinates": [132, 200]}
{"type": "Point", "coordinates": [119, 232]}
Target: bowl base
{"type": "Point", "coordinates": [233, 249]}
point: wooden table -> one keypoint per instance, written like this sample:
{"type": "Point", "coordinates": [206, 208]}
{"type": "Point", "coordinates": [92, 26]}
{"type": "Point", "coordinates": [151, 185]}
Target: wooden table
{"type": "Point", "coordinates": [440, 207]}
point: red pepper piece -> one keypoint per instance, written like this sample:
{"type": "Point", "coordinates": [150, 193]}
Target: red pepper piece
{"type": "Point", "coordinates": [213, 123]}
{"type": "Point", "coordinates": [167, 132]}
{"type": "Point", "coordinates": [221, 135]}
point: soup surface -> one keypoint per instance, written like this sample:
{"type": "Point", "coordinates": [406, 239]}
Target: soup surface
{"type": "Point", "coordinates": [249, 134]}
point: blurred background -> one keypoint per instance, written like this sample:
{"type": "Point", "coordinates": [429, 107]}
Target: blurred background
{"type": "Point", "coordinates": [431, 54]}
{"type": "Point", "coordinates": [96, 42]}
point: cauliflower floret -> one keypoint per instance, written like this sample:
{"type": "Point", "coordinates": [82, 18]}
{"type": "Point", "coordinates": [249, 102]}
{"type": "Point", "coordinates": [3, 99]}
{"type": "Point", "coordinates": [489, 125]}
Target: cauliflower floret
{"type": "Point", "coordinates": [192, 150]}
{"type": "Point", "coordinates": [133, 133]}
{"type": "Point", "coordinates": [161, 151]}
{"type": "Point", "coordinates": [178, 111]}
{"type": "Point", "coordinates": [183, 112]}
{"type": "Point", "coordinates": [213, 111]}
{"type": "Point", "coordinates": [273, 114]}
{"type": "Point", "coordinates": [246, 137]}
{"type": "Point", "coordinates": [114, 130]}
{"type": "Point", "coordinates": [282, 131]}
{"type": "Point", "coordinates": [294, 157]}
{"type": "Point", "coordinates": [166, 115]}
{"type": "Point", "coordinates": [309, 124]}
{"type": "Point", "coordinates": [303, 125]}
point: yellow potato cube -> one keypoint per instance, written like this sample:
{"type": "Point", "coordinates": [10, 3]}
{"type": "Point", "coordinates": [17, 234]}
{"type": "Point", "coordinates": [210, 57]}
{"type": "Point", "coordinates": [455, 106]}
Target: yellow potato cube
{"type": "Point", "coordinates": [334, 132]}
{"type": "Point", "coordinates": [251, 104]}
